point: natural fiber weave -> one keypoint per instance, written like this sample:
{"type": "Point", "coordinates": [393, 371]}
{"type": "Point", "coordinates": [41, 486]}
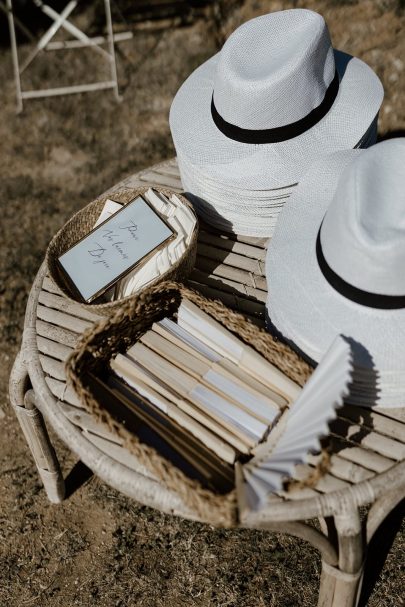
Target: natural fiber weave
{"type": "Point", "coordinates": [83, 222]}
{"type": "Point", "coordinates": [119, 331]}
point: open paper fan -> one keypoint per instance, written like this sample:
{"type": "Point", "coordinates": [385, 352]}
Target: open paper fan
{"type": "Point", "coordinates": [300, 432]}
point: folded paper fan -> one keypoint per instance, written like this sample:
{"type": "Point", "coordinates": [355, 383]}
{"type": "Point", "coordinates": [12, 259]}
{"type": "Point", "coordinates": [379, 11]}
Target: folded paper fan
{"type": "Point", "coordinates": [300, 429]}
{"type": "Point", "coordinates": [183, 222]}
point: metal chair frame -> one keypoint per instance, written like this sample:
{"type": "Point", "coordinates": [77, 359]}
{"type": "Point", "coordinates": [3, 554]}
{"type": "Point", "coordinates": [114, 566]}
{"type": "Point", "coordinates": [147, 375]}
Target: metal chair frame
{"type": "Point", "coordinates": [46, 43]}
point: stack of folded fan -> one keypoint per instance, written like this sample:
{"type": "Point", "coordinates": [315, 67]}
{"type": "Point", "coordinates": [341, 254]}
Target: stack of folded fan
{"type": "Point", "coordinates": [180, 218]}
{"type": "Point", "coordinates": [217, 409]}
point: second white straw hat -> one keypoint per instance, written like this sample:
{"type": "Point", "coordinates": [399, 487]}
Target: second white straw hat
{"type": "Point", "coordinates": [336, 264]}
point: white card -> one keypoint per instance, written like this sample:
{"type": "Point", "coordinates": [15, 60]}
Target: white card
{"type": "Point", "coordinates": [113, 248]}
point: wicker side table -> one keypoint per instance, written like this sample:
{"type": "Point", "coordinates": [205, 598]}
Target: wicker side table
{"type": "Point", "coordinates": [368, 460]}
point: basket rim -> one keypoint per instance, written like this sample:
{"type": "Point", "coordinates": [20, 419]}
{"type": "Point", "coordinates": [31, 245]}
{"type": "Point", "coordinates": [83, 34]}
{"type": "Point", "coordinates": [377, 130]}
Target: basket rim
{"type": "Point", "coordinates": [105, 308]}
{"type": "Point", "coordinates": [220, 509]}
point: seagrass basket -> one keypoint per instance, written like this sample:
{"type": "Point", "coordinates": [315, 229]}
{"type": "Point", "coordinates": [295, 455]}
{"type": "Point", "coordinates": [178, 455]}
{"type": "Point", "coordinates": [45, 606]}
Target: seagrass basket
{"type": "Point", "coordinates": [116, 333]}
{"type": "Point", "coordinates": [83, 222]}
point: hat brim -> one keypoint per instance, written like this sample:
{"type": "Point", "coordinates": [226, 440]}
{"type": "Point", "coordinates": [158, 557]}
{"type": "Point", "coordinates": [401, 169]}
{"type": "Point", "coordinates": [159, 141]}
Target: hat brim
{"type": "Point", "coordinates": [302, 305]}
{"type": "Point", "coordinates": [202, 144]}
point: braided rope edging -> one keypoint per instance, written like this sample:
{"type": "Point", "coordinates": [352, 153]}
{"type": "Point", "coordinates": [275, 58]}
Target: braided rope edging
{"type": "Point", "coordinates": [118, 331]}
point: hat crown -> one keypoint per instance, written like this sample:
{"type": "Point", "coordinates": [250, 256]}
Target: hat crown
{"type": "Point", "coordinates": [363, 232]}
{"type": "Point", "coordinates": [274, 70]}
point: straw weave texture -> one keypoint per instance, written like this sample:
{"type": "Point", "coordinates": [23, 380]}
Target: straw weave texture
{"type": "Point", "coordinates": [83, 222]}
{"type": "Point", "coordinates": [117, 332]}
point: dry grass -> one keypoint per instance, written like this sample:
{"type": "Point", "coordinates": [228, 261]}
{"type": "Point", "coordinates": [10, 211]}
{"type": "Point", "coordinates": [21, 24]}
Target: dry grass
{"type": "Point", "coordinates": [99, 548]}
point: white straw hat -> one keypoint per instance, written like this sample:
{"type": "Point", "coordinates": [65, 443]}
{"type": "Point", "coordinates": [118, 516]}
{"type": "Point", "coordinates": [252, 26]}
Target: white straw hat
{"type": "Point", "coordinates": [276, 98]}
{"type": "Point", "coordinates": [336, 264]}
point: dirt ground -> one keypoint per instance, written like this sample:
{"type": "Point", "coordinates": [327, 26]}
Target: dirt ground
{"type": "Point", "coordinates": [99, 548]}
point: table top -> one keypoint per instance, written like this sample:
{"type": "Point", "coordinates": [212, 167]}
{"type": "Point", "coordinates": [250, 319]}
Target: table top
{"type": "Point", "coordinates": [368, 446]}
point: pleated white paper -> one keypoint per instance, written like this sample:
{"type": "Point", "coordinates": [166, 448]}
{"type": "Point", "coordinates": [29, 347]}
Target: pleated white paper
{"type": "Point", "coordinates": [306, 423]}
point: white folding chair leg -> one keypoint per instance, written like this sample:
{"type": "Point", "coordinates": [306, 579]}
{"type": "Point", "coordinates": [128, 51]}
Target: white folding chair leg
{"type": "Point", "coordinates": [14, 53]}
{"type": "Point", "coordinates": [60, 21]}
{"type": "Point", "coordinates": [111, 54]}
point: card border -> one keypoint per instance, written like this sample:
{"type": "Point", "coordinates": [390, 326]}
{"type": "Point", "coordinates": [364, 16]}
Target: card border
{"type": "Point", "coordinates": [68, 279]}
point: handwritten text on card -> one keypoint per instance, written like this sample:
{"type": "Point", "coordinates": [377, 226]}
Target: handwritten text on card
{"type": "Point", "coordinates": [114, 247]}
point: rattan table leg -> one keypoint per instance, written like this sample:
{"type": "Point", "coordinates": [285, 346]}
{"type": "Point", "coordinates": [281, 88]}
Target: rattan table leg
{"type": "Point", "coordinates": [341, 584]}
{"type": "Point", "coordinates": [320, 541]}
{"type": "Point", "coordinates": [35, 432]}
{"type": "Point", "coordinates": [339, 588]}
{"type": "Point", "coordinates": [381, 509]}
